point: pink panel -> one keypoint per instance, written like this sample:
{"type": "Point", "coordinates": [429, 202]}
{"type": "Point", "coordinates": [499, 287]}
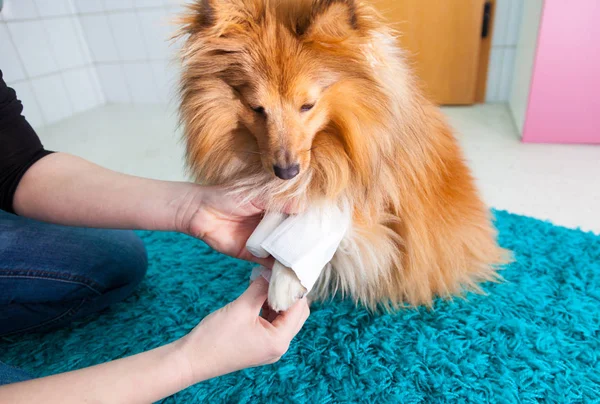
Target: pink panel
{"type": "Point", "coordinates": [564, 103]}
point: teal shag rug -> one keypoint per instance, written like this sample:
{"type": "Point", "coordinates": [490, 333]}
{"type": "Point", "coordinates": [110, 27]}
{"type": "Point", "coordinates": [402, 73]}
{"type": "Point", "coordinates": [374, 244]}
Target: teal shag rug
{"type": "Point", "coordinates": [534, 338]}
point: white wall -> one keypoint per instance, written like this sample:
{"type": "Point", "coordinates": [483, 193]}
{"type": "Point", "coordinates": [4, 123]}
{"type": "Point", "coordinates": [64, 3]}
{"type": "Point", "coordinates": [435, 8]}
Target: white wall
{"type": "Point", "coordinates": [525, 57]}
{"type": "Point", "coordinates": [44, 57]}
{"type": "Point", "coordinates": [67, 56]}
{"type": "Point", "coordinates": [130, 47]}
{"type": "Point", "coordinates": [504, 47]}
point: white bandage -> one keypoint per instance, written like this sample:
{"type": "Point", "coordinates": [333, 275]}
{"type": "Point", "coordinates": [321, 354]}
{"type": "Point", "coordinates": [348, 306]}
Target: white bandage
{"type": "Point", "coordinates": [262, 231]}
{"type": "Point", "coordinates": [305, 242]}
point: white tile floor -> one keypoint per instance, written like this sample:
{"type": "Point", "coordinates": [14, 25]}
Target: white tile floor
{"type": "Point", "coordinates": [555, 182]}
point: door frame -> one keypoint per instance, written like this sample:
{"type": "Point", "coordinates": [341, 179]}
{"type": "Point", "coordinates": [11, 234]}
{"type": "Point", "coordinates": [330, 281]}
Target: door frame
{"type": "Point", "coordinates": [485, 51]}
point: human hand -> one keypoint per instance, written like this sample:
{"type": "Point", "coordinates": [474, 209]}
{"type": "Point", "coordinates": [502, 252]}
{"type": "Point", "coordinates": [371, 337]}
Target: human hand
{"type": "Point", "coordinates": [237, 337]}
{"type": "Point", "coordinates": [232, 338]}
{"type": "Point", "coordinates": [224, 221]}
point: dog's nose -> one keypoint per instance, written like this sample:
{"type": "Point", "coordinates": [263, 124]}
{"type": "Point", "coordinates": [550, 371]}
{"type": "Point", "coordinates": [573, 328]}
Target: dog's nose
{"type": "Point", "coordinates": [287, 173]}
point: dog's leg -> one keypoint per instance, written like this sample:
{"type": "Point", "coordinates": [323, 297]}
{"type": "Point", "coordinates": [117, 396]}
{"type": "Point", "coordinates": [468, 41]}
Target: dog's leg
{"type": "Point", "coordinates": [284, 288]}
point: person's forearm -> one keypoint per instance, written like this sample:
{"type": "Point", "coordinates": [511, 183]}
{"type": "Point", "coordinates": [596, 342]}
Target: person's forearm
{"type": "Point", "coordinates": [68, 190]}
{"type": "Point", "coordinates": [142, 378]}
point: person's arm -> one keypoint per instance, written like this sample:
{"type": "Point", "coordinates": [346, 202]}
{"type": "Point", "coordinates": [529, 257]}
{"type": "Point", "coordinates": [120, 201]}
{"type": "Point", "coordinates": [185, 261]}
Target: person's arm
{"type": "Point", "coordinates": [232, 338]}
{"type": "Point", "coordinates": [68, 190]}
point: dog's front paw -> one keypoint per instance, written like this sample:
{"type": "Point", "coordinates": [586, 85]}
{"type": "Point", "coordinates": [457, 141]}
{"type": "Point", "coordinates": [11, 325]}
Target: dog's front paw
{"type": "Point", "coordinates": [284, 288]}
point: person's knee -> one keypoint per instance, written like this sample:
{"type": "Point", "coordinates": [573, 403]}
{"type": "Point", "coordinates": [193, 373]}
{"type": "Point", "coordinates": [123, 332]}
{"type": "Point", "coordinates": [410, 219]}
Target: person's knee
{"type": "Point", "coordinates": [118, 264]}
{"type": "Point", "coordinates": [54, 274]}
{"type": "Point", "coordinates": [127, 258]}
{"type": "Point", "coordinates": [137, 259]}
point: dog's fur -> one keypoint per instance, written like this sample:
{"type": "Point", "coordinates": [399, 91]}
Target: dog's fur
{"type": "Point", "coordinates": [372, 140]}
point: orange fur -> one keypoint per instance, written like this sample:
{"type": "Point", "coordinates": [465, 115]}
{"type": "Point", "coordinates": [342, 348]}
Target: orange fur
{"type": "Point", "coordinates": [372, 140]}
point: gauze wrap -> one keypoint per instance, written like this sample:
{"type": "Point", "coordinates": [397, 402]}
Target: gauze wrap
{"type": "Point", "coordinates": [305, 242]}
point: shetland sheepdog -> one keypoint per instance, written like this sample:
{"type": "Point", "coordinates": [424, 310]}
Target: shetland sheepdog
{"type": "Point", "coordinates": [312, 101]}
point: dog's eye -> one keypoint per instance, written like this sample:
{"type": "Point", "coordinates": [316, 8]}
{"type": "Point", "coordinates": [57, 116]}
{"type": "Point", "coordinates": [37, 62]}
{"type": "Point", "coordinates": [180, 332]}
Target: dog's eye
{"type": "Point", "coordinates": [307, 107]}
{"type": "Point", "coordinates": [259, 110]}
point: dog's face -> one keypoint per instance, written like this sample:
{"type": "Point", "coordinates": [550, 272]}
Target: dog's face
{"type": "Point", "coordinates": [273, 81]}
{"type": "Point", "coordinates": [284, 110]}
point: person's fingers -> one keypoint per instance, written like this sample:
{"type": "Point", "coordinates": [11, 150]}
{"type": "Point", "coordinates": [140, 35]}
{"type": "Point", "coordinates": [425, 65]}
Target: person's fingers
{"type": "Point", "coordinates": [259, 204]}
{"type": "Point", "coordinates": [251, 210]}
{"type": "Point", "coordinates": [303, 317]}
{"type": "Point", "coordinates": [247, 256]}
{"type": "Point", "coordinates": [295, 206]}
{"type": "Point", "coordinates": [291, 321]}
{"type": "Point", "coordinates": [255, 295]}
{"type": "Point", "coordinates": [292, 207]}
{"type": "Point", "coordinates": [267, 313]}
{"type": "Point", "coordinates": [265, 262]}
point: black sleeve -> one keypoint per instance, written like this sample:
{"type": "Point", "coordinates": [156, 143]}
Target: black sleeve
{"type": "Point", "coordinates": [20, 147]}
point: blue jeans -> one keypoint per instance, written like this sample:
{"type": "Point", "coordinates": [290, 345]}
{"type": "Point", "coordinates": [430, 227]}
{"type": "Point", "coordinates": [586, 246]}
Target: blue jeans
{"type": "Point", "coordinates": [51, 275]}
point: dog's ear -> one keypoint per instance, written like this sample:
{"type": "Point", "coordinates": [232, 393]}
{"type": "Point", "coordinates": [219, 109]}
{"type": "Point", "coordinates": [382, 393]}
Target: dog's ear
{"type": "Point", "coordinates": [219, 16]}
{"type": "Point", "coordinates": [325, 20]}
{"type": "Point", "coordinates": [198, 17]}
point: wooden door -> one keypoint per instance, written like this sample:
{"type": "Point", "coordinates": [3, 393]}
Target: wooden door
{"type": "Point", "coordinates": [443, 41]}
